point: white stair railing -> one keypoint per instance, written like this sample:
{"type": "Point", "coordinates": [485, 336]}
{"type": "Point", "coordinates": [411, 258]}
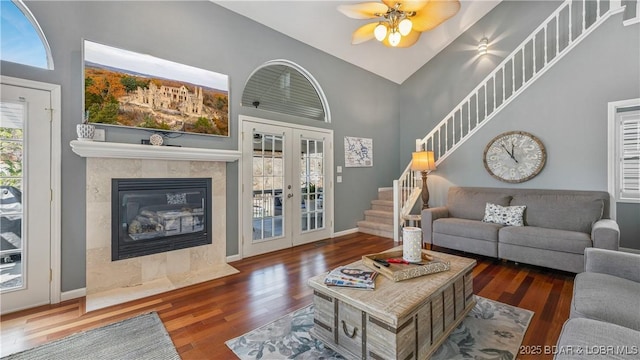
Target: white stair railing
{"type": "Point", "coordinates": [553, 39]}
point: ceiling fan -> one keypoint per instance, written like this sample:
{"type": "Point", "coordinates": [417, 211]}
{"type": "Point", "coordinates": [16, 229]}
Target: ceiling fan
{"type": "Point", "coordinates": [400, 23]}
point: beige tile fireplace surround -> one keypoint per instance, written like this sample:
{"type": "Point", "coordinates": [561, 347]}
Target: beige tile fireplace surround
{"type": "Point", "coordinates": [114, 282]}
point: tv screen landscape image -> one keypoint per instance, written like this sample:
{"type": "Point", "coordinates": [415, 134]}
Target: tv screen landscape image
{"type": "Point", "coordinates": [125, 88]}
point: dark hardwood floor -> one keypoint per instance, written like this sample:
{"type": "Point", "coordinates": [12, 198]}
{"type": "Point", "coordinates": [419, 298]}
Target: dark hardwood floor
{"type": "Point", "coordinates": [200, 318]}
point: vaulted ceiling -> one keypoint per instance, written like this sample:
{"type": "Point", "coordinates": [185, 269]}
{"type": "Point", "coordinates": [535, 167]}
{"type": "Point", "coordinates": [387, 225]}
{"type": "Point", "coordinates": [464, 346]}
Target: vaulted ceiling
{"type": "Point", "coordinates": [321, 25]}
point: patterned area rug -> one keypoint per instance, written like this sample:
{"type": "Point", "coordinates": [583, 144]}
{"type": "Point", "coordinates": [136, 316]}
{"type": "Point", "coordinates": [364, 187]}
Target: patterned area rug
{"type": "Point", "coordinates": [141, 337]}
{"type": "Point", "coordinates": [492, 330]}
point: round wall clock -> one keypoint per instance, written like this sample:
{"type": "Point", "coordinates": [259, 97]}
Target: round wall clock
{"type": "Point", "coordinates": [514, 156]}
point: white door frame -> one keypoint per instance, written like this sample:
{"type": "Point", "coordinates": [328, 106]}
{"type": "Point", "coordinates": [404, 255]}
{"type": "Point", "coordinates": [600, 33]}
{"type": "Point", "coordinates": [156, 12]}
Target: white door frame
{"type": "Point", "coordinates": [329, 168]}
{"type": "Point", "coordinates": [56, 186]}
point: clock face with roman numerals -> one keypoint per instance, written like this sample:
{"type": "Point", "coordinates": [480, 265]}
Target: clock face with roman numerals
{"type": "Point", "coordinates": [514, 156]}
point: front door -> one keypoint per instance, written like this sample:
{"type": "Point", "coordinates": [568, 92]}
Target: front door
{"type": "Point", "coordinates": [25, 197]}
{"type": "Point", "coordinates": [287, 189]}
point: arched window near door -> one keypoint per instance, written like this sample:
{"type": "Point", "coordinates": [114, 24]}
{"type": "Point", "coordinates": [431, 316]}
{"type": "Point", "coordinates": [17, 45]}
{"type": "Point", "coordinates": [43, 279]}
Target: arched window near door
{"type": "Point", "coordinates": [284, 87]}
{"type": "Point", "coordinates": [23, 41]}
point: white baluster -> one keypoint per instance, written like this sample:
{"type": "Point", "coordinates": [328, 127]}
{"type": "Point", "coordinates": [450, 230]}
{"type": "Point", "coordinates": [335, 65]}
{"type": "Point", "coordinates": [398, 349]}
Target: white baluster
{"type": "Point", "coordinates": [494, 94]}
{"type": "Point", "coordinates": [513, 74]}
{"type": "Point", "coordinates": [533, 50]}
{"type": "Point", "coordinates": [545, 47]}
{"type": "Point", "coordinates": [584, 15]}
{"type": "Point", "coordinates": [524, 65]}
{"type": "Point", "coordinates": [504, 91]}
{"type": "Point", "coordinates": [469, 114]}
{"type": "Point", "coordinates": [570, 23]}
{"type": "Point", "coordinates": [557, 34]}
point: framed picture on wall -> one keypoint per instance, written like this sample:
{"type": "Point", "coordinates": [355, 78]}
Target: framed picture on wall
{"type": "Point", "coordinates": [358, 152]}
{"type": "Point", "coordinates": [125, 88]}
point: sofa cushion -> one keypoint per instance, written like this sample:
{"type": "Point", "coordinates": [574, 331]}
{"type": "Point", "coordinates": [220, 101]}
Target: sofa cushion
{"type": "Point", "coordinates": [470, 204]}
{"type": "Point", "coordinates": [606, 298]}
{"type": "Point", "coordinates": [584, 338]}
{"type": "Point", "coordinates": [467, 228]}
{"type": "Point", "coordinates": [574, 212]}
{"type": "Point", "coordinates": [504, 215]}
{"type": "Point", "coordinates": [541, 238]}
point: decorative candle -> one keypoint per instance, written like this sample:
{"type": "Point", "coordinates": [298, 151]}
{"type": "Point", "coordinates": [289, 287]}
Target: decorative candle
{"type": "Point", "coordinates": [412, 244]}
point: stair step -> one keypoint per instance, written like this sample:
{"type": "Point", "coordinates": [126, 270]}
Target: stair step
{"type": "Point", "coordinates": [383, 230]}
{"type": "Point", "coordinates": [382, 205]}
{"type": "Point", "coordinates": [385, 194]}
{"type": "Point", "coordinates": [378, 216]}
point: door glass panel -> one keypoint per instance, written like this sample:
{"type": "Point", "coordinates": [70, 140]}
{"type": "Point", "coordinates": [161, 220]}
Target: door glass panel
{"type": "Point", "coordinates": [268, 180]}
{"type": "Point", "coordinates": [11, 211]}
{"type": "Point", "coordinates": [312, 184]}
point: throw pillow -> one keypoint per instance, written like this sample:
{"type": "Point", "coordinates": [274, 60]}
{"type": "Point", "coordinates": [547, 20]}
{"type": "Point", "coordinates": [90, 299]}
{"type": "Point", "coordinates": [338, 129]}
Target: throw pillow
{"type": "Point", "coordinates": [505, 215]}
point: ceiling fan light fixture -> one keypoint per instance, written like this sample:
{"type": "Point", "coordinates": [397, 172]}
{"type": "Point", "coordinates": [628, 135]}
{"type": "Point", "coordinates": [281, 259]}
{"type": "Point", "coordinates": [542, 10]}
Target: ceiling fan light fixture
{"type": "Point", "coordinates": [405, 27]}
{"type": "Point", "coordinates": [394, 38]}
{"type": "Point", "coordinates": [380, 32]}
{"type": "Point", "coordinates": [398, 23]}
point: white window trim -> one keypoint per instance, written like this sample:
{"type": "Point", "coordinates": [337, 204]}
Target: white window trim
{"type": "Point", "coordinates": [613, 150]}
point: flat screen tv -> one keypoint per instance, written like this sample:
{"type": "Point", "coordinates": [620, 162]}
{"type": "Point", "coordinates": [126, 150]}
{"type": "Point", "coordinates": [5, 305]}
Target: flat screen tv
{"type": "Point", "coordinates": [129, 89]}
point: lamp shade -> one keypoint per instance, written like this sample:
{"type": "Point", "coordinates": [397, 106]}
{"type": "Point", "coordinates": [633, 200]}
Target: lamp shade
{"type": "Point", "coordinates": [423, 161]}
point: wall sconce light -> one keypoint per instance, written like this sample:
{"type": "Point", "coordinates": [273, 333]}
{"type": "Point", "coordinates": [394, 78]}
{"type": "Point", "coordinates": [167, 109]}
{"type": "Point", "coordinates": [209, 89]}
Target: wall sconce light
{"type": "Point", "coordinates": [483, 46]}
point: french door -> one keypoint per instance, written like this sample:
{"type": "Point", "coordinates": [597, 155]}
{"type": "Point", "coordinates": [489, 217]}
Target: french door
{"type": "Point", "coordinates": [25, 197]}
{"type": "Point", "coordinates": [287, 186]}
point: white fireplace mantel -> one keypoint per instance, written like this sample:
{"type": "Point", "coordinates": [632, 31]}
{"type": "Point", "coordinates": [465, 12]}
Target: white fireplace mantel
{"type": "Point", "coordinates": [99, 149]}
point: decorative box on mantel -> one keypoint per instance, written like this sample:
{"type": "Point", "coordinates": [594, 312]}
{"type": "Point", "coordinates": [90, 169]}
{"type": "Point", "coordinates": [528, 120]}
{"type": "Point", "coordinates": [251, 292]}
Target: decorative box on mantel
{"type": "Point", "coordinates": [137, 151]}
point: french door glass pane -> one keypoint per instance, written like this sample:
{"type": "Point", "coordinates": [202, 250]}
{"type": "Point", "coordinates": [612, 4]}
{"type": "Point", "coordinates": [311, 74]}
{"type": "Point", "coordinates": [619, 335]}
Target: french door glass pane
{"type": "Point", "coordinates": [268, 180]}
{"type": "Point", "coordinates": [11, 180]}
{"type": "Point", "coordinates": [312, 183]}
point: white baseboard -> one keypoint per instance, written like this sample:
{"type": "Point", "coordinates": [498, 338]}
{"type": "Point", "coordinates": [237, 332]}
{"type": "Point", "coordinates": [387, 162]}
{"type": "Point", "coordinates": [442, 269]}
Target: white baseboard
{"type": "Point", "coordinates": [385, 188]}
{"type": "Point", "coordinates": [233, 258]}
{"type": "Point", "coordinates": [629, 250]}
{"type": "Point", "coordinates": [73, 294]}
{"type": "Point", "coordinates": [345, 232]}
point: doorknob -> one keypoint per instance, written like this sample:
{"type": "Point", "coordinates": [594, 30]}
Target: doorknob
{"type": "Point", "coordinates": [289, 196]}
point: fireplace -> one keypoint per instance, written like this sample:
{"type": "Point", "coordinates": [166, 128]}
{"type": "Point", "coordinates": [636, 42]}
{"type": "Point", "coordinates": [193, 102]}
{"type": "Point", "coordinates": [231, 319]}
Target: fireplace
{"type": "Point", "coordinates": [151, 216]}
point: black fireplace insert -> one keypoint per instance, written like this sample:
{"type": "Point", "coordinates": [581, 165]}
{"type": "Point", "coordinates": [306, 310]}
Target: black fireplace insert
{"type": "Point", "coordinates": [151, 216]}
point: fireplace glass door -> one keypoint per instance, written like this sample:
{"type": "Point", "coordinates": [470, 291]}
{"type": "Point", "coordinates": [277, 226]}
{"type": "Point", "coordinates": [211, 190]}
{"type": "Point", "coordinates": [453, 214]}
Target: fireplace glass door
{"type": "Point", "coordinates": [157, 215]}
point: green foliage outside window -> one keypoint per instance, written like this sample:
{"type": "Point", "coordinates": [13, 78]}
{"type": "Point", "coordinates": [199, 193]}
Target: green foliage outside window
{"type": "Point", "coordinates": [11, 157]}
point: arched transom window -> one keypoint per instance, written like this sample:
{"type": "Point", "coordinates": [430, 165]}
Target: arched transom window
{"type": "Point", "coordinates": [284, 87]}
{"type": "Point", "coordinates": [23, 41]}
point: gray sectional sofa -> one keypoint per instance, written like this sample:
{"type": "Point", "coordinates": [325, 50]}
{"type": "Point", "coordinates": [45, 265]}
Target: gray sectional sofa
{"type": "Point", "coordinates": [604, 322]}
{"type": "Point", "coordinates": [558, 225]}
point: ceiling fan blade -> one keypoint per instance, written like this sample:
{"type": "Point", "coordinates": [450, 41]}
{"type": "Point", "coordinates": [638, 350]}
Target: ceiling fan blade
{"type": "Point", "coordinates": [366, 10]}
{"type": "Point", "coordinates": [363, 33]}
{"type": "Point", "coordinates": [434, 14]}
{"type": "Point", "coordinates": [405, 41]}
{"type": "Point", "coordinates": [409, 5]}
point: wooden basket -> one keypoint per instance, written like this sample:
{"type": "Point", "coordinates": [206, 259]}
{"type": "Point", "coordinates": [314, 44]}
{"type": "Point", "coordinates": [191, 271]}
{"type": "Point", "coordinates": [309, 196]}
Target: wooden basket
{"type": "Point", "coordinates": [398, 272]}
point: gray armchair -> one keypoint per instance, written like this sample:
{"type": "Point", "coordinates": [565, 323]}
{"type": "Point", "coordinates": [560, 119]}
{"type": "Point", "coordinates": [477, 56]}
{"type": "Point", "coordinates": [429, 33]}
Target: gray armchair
{"type": "Point", "coordinates": [605, 309]}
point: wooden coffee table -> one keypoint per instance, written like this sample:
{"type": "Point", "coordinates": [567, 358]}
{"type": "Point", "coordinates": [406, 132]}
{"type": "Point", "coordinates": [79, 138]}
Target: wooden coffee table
{"type": "Point", "coordinates": [402, 320]}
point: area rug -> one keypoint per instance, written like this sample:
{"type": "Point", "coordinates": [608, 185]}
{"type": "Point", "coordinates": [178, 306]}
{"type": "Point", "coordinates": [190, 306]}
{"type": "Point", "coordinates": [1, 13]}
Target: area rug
{"type": "Point", "coordinates": [491, 330]}
{"type": "Point", "coordinates": [140, 337]}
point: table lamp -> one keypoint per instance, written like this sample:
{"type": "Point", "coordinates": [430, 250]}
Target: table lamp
{"type": "Point", "coordinates": [424, 162]}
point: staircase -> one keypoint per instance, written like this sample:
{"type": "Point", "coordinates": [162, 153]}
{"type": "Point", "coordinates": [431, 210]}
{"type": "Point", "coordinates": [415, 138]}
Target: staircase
{"type": "Point", "coordinates": [566, 27]}
{"type": "Point", "coordinates": [379, 219]}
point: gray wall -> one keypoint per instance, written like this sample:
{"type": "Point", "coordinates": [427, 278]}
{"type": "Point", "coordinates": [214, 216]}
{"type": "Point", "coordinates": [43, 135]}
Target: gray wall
{"type": "Point", "coordinates": [566, 108]}
{"type": "Point", "coordinates": [205, 35]}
